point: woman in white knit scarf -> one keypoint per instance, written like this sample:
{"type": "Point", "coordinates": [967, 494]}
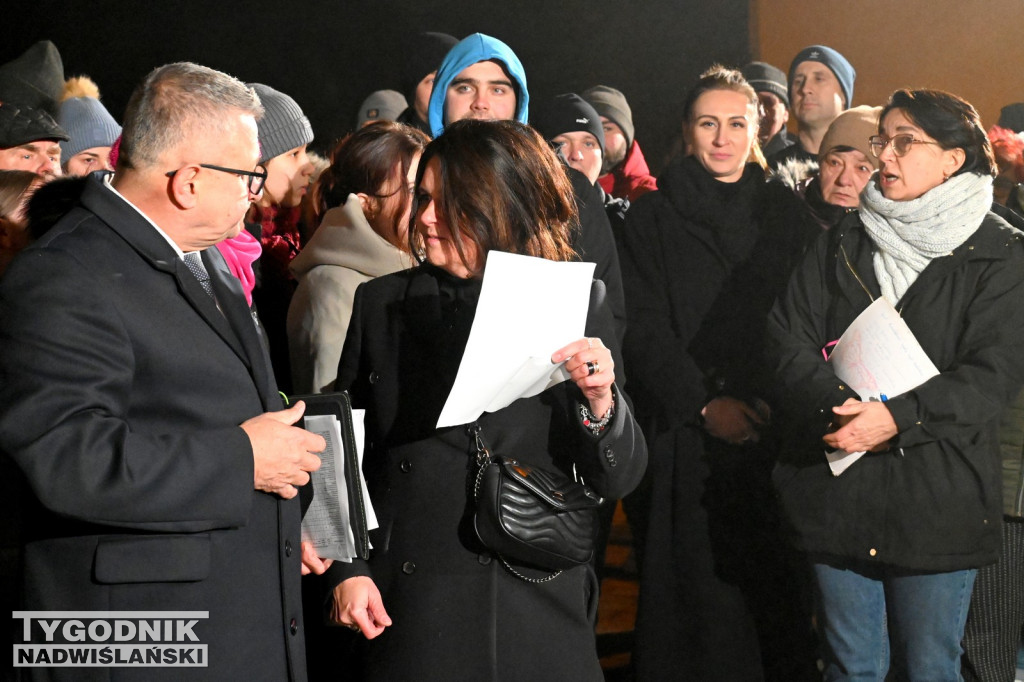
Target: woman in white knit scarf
{"type": "Point", "coordinates": [905, 603]}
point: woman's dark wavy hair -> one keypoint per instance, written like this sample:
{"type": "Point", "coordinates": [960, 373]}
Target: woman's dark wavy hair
{"type": "Point", "coordinates": [364, 162]}
{"type": "Point", "coordinates": [949, 120]}
{"type": "Point", "coordinates": [503, 188]}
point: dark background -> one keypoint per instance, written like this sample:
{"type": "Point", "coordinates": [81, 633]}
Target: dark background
{"type": "Point", "coordinates": [330, 55]}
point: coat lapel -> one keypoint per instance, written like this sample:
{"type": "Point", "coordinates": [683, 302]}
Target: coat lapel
{"type": "Point", "coordinates": [243, 325]}
{"type": "Point", "coordinates": [126, 221]}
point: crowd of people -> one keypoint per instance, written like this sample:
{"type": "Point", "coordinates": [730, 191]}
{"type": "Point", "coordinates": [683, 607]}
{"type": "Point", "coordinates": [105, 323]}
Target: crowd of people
{"type": "Point", "coordinates": [150, 463]}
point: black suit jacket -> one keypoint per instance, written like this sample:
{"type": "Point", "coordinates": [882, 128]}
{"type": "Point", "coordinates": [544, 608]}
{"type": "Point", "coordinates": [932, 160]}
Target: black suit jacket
{"type": "Point", "coordinates": [122, 390]}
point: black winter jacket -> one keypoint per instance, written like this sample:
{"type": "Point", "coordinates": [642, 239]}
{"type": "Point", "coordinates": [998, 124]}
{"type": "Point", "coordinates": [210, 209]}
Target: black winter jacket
{"type": "Point", "coordinates": [932, 502]}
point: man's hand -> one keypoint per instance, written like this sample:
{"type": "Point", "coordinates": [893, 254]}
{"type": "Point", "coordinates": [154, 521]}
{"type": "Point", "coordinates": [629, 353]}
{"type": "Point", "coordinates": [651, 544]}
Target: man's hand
{"type": "Point", "coordinates": [732, 420]}
{"type": "Point", "coordinates": [282, 453]}
{"type": "Point", "coordinates": [311, 561]}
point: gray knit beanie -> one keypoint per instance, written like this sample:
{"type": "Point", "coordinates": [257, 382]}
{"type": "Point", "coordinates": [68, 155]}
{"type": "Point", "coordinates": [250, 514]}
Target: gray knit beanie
{"type": "Point", "coordinates": [764, 77]}
{"type": "Point", "coordinates": [283, 126]}
{"type": "Point", "coordinates": [612, 104]}
{"type": "Point", "coordinates": [88, 123]}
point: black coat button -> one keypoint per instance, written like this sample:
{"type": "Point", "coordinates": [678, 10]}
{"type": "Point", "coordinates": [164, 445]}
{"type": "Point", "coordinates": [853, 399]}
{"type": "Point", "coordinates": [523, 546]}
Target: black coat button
{"type": "Point", "coordinates": [484, 559]}
{"type": "Point", "coordinates": [374, 377]}
{"type": "Point", "coordinates": [293, 627]}
{"type": "Point", "coordinates": [405, 465]}
{"type": "Point", "coordinates": [408, 568]}
{"type": "Point", "coordinates": [287, 547]}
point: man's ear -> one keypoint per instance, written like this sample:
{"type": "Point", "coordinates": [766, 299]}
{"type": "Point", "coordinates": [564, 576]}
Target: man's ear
{"type": "Point", "coordinates": [184, 190]}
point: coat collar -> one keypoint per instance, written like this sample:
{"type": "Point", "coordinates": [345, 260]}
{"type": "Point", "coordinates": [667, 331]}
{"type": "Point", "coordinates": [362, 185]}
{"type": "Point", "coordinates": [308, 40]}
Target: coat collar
{"type": "Point", "coordinates": [232, 321]}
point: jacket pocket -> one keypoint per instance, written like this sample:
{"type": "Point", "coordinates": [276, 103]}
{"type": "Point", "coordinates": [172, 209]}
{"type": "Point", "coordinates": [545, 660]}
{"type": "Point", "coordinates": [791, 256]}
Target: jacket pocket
{"type": "Point", "coordinates": [160, 559]}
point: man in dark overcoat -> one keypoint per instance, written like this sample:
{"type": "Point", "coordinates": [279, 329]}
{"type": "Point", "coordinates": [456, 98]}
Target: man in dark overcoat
{"type": "Point", "coordinates": [137, 402]}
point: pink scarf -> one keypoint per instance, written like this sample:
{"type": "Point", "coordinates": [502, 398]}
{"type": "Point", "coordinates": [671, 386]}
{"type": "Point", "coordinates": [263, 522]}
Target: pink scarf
{"type": "Point", "coordinates": [240, 253]}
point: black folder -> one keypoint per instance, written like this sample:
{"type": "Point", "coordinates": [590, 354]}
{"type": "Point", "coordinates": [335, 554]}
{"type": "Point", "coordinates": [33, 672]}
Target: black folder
{"type": "Point", "coordinates": [340, 406]}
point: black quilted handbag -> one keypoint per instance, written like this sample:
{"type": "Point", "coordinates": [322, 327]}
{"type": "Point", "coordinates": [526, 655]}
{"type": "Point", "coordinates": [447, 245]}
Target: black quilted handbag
{"type": "Point", "coordinates": [531, 516]}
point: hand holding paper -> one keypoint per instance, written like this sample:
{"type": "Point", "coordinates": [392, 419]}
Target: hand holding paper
{"type": "Point", "coordinates": [528, 307]}
{"type": "Point", "coordinates": [876, 355]}
{"type": "Point", "coordinates": [863, 427]}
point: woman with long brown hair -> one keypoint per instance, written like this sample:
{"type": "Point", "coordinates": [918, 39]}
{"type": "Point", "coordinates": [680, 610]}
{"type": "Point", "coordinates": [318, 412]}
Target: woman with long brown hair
{"type": "Point", "coordinates": [364, 199]}
{"type": "Point", "coordinates": [433, 602]}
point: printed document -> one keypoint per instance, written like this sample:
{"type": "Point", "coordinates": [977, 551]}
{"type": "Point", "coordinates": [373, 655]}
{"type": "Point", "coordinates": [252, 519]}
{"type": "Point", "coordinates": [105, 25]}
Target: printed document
{"type": "Point", "coordinates": [327, 523]}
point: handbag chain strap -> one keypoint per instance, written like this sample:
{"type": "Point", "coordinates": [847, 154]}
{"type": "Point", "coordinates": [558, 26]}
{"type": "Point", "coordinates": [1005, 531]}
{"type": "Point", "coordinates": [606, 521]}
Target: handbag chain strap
{"type": "Point", "coordinates": [484, 460]}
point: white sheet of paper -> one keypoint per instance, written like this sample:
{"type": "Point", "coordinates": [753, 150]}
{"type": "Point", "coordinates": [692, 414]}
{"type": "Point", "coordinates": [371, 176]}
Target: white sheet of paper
{"type": "Point", "coordinates": [359, 433]}
{"type": "Point", "coordinates": [877, 356]}
{"type": "Point", "coordinates": [528, 309]}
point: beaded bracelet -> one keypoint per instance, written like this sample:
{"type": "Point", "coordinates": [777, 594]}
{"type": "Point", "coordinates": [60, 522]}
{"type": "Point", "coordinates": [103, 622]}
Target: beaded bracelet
{"type": "Point", "coordinates": [596, 425]}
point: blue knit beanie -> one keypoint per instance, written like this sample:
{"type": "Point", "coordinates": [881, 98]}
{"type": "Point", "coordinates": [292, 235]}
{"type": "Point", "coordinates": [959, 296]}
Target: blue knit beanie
{"type": "Point", "coordinates": [88, 124]}
{"type": "Point", "coordinates": [834, 61]}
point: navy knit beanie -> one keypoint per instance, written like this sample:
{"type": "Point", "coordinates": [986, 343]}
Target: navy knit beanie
{"type": "Point", "coordinates": [834, 61]}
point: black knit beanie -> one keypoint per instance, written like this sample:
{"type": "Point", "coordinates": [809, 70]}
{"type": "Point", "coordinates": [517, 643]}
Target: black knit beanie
{"type": "Point", "coordinates": [568, 113]}
{"type": "Point", "coordinates": [1012, 117]}
{"type": "Point", "coordinates": [423, 54]}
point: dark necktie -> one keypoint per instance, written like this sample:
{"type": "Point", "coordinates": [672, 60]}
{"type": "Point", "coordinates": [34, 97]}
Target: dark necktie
{"type": "Point", "coordinates": [195, 265]}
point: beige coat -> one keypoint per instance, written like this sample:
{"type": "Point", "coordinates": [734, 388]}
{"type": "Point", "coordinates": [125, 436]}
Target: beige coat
{"type": "Point", "coordinates": [343, 253]}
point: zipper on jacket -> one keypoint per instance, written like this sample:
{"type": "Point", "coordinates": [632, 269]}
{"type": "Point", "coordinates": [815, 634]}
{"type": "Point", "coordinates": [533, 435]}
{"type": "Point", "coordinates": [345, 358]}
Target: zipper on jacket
{"type": "Point", "coordinates": [849, 266]}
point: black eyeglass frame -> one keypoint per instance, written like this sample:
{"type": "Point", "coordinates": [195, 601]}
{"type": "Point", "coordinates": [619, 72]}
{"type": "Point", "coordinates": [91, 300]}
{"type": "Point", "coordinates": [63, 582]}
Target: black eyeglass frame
{"type": "Point", "coordinates": [257, 178]}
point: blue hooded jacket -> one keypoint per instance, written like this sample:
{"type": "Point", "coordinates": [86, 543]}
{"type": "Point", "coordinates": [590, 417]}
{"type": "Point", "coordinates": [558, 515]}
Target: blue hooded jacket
{"type": "Point", "coordinates": [469, 51]}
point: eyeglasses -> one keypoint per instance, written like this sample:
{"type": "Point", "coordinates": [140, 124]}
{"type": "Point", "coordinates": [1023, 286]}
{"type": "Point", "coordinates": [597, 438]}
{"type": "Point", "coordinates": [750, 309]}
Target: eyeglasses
{"type": "Point", "coordinates": [256, 177]}
{"type": "Point", "coordinates": [901, 144]}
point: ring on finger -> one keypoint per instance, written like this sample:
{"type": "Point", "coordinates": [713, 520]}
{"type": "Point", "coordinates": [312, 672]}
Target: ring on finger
{"type": "Point", "coordinates": [592, 368]}
{"type": "Point", "coordinates": [590, 343]}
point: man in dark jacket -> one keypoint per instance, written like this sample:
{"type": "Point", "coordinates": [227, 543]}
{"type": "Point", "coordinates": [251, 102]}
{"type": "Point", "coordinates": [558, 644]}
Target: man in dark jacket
{"type": "Point", "coordinates": [138, 402]}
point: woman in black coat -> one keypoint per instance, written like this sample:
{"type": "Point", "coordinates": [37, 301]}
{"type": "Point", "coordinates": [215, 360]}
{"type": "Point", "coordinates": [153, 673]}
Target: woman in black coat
{"type": "Point", "coordinates": [703, 259]}
{"type": "Point", "coordinates": [896, 539]}
{"type": "Point", "coordinates": [432, 602]}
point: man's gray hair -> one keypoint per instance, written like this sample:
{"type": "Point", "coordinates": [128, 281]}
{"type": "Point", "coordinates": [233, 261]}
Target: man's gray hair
{"type": "Point", "coordinates": [178, 102]}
